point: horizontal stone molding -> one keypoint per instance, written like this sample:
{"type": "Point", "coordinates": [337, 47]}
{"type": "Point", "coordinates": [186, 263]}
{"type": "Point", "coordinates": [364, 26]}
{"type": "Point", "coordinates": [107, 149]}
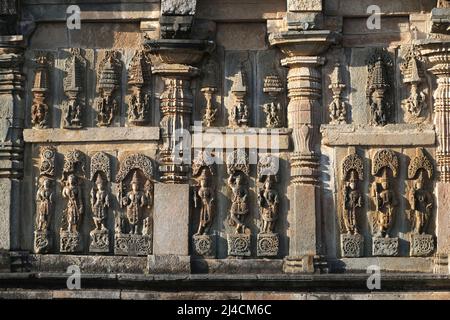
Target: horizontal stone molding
{"type": "Point", "coordinates": [389, 135]}
{"type": "Point", "coordinates": [255, 138]}
{"type": "Point", "coordinates": [91, 135]}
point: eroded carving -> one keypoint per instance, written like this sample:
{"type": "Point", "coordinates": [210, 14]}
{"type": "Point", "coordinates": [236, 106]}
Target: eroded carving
{"type": "Point", "coordinates": [209, 88]}
{"type": "Point", "coordinates": [273, 110]}
{"type": "Point", "coordinates": [139, 84]}
{"type": "Point", "coordinates": [379, 87]}
{"type": "Point", "coordinates": [338, 107]}
{"type": "Point", "coordinates": [40, 112]}
{"type": "Point", "coordinates": [100, 202]}
{"type": "Point", "coordinates": [134, 225]}
{"type": "Point", "coordinates": [415, 105]}
{"type": "Point", "coordinates": [108, 83]}
{"type": "Point", "coordinates": [239, 113]}
{"type": "Point", "coordinates": [74, 88]}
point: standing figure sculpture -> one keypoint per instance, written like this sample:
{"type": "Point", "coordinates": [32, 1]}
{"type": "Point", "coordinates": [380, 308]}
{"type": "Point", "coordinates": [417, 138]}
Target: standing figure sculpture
{"type": "Point", "coordinates": [206, 195]}
{"type": "Point", "coordinates": [421, 201]}
{"type": "Point", "coordinates": [135, 202]}
{"type": "Point", "coordinates": [268, 201]}
{"type": "Point", "coordinates": [352, 202]}
{"type": "Point", "coordinates": [100, 202]}
{"type": "Point", "coordinates": [385, 204]}
{"type": "Point", "coordinates": [74, 208]}
{"type": "Point", "coordinates": [44, 197]}
{"type": "Point", "coordinates": [239, 208]}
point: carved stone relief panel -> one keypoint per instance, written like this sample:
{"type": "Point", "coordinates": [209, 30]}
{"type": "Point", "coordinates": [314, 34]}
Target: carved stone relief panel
{"type": "Point", "coordinates": [74, 209]}
{"type": "Point", "coordinates": [40, 111]}
{"type": "Point", "coordinates": [385, 168]}
{"type": "Point", "coordinates": [238, 169]}
{"type": "Point", "coordinates": [338, 107]}
{"type": "Point", "coordinates": [134, 224]}
{"type": "Point", "coordinates": [100, 200]}
{"type": "Point", "coordinates": [204, 200]}
{"type": "Point", "coordinates": [74, 108]}
{"type": "Point", "coordinates": [352, 167]}
{"type": "Point", "coordinates": [108, 84]}
{"type": "Point", "coordinates": [209, 87]}
{"type": "Point", "coordinates": [139, 85]}
{"type": "Point", "coordinates": [379, 89]}
{"type": "Point", "coordinates": [45, 200]}
{"type": "Point", "coordinates": [273, 110]}
{"type": "Point", "coordinates": [421, 202]}
{"type": "Point", "coordinates": [239, 114]}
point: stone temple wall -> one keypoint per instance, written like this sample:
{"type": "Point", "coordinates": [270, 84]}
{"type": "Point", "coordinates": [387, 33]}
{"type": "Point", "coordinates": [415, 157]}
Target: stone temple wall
{"type": "Point", "coordinates": [275, 136]}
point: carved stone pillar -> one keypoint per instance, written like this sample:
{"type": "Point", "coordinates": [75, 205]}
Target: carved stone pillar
{"type": "Point", "coordinates": [11, 142]}
{"type": "Point", "coordinates": [438, 56]}
{"type": "Point", "coordinates": [303, 50]}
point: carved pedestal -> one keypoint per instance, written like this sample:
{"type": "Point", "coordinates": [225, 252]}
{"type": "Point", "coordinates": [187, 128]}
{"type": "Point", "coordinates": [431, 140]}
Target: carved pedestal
{"type": "Point", "coordinates": [422, 245]}
{"type": "Point", "coordinates": [267, 245]}
{"type": "Point", "coordinates": [70, 242]}
{"type": "Point", "coordinates": [238, 245]}
{"type": "Point", "coordinates": [42, 241]}
{"type": "Point", "coordinates": [99, 241]}
{"type": "Point", "coordinates": [387, 247]}
{"type": "Point", "coordinates": [352, 245]}
{"type": "Point", "coordinates": [132, 244]}
{"type": "Point", "coordinates": [204, 245]}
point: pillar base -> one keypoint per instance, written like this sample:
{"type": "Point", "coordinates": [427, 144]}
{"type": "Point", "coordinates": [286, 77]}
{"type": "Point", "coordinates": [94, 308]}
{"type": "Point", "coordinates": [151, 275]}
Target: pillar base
{"type": "Point", "coordinates": [169, 264]}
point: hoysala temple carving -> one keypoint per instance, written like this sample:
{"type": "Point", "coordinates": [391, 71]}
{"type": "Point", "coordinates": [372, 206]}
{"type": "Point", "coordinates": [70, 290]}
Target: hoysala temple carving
{"type": "Point", "coordinates": [225, 137]}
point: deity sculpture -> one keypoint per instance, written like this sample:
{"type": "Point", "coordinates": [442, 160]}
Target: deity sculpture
{"type": "Point", "coordinates": [239, 207]}
{"type": "Point", "coordinates": [100, 202]}
{"type": "Point", "coordinates": [74, 208]}
{"type": "Point", "coordinates": [206, 196]}
{"type": "Point", "coordinates": [268, 201]}
{"type": "Point", "coordinates": [44, 197]}
{"type": "Point", "coordinates": [272, 111]}
{"type": "Point", "coordinates": [352, 203]}
{"type": "Point", "coordinates": [273, 86]}
{"type": "Point", "coordinates": [385, 205]}
{"type": "Point", "coordinates": [135, 201]}
{"type": "Point", "coordinates": [421, 205]}
{"type": "Point", "coordinates": [106, 109]}
{"type": "Point", "coordinates": [239, 114]}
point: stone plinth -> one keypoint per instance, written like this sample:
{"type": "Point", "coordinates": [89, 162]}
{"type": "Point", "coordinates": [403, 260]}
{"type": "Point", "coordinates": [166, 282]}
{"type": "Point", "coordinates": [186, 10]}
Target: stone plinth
{"type": "Point", "coordinates": [99, 241]}
{"type": "Point", "coordinates": [69, 242]}
{"type": "Point", "coordinates": [169, 264]}
{"type": "Point", "coordinates": [387, 247]}
{"type": "Point", "coordinates": [204, 245]}
{"type": "Point", "coordinates": [238, 245]}
{"type": "Point", "coordinates": [132, 244]}
{"type": "Point", "coordinates": [422, 245]}
{"type": "Point", "coordinates": [171, 219]}
{"type": "Point", "coordinates": [267, 245]}
{"type": "Point", "coordinates": [352, 245]}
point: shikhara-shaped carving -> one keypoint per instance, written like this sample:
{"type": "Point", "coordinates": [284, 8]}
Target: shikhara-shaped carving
{"type": "Point", "coordinates": [337, 107]}
{"type": "Point", "coordinates": [40, 113]}
{"type": "Point", "coordinates": [352, 173]}
{"type": "Point", "coordinates": [385, 168]}
{"type": "Point", "coordinates": [379, 87]}
{"type": "Point", "coordinates": [135, 196]}
{"type": "Point", "coordinates": [100, 202]}
{"type": "Point", "coordinates": [238, 169]}
{"type": "Point", "coordinates": [108, 83]}
{"type": "Point", "coordinates": [273, 110]}
{"type": "Point", "coordinates": [209, 87]}
{"type": "Point", "coordinates": [139, 84]}
{"type": "Point", "coordinates": [268, 202]}
{"type": "Point", "coordinates": [44, 199]}
{"type": "Point", "coordinates": [74, 88]}
{"type": "Point", "coordinates": [239, 113]}
{"type": "Point", "coordinates": [415, 105]}
{"type": "Point", "coordinates": [420, 197]}
{"type": "Point", "coordinates": [73, 171]}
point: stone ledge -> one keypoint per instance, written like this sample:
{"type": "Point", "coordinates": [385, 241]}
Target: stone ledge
{"type": "Point", "coordinates": [91, 135]}
{"type": "Point", "coordinates": [389, 135]}
{"type": "Point", "coordinates": [386, 264]}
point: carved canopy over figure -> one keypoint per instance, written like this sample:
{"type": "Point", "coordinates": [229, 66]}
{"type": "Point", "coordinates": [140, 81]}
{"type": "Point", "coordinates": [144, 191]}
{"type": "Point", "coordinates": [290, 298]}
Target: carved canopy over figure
{"type": "Point", "coordinates": [44, 197]}
{"type": "Point", "coordinates": [74, 208]}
